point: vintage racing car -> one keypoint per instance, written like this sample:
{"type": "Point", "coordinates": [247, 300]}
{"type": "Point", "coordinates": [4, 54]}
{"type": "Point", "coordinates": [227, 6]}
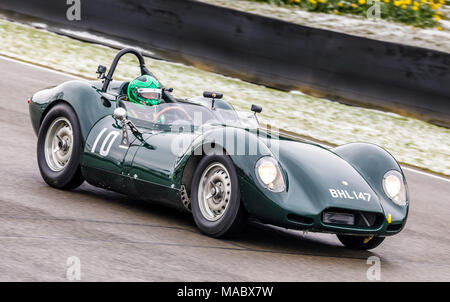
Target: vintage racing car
{"type": "Point", "coordinates": [199, 155]}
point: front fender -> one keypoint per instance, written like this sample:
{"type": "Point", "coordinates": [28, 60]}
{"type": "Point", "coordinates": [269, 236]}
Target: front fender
{"type": "Point", "coordinates": [372, 162]}
{"type": "Point", "coordinates": [242, 145]}
{"type": "Point", "coordinates": [88, 102]}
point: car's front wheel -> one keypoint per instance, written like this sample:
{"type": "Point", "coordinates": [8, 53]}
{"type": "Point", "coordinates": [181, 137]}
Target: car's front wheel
{"type": "Point", "coordinates": [59, 148]}
{"type": "Point", "coordinates": [360, 242]}
{"type": "Point", "coordinates": [215, 201]}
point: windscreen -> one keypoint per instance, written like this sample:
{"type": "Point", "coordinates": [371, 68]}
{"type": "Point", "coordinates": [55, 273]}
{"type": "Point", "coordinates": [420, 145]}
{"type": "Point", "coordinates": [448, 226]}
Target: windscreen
{"type": "Point", "coordinates": [170, 113]}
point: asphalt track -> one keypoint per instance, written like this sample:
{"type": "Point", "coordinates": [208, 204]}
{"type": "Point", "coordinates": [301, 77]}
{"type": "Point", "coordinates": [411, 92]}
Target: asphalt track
{"type": "Point", "coordinates": [120, 239]}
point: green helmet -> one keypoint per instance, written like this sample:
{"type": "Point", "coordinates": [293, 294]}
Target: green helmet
{"type": "Point", "coordinates": [145, 90]}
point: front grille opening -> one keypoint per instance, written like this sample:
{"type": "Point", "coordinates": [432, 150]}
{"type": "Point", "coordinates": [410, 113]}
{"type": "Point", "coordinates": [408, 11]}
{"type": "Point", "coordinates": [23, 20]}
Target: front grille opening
{"type": "Point", "coordinates": [344, 217]}
{"type": "Point", "coordinates": [394, 227]}
{"type": "Point", "coordinates": [300, 219]}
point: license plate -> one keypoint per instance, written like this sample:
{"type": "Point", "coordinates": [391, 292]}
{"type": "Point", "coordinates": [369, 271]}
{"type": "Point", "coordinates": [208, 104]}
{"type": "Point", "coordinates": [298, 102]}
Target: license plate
{"type": "Point", "coordinates": [338, 218]}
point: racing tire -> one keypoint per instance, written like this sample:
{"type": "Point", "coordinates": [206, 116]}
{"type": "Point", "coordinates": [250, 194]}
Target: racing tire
{"type": "Point", "coordinates": [360, 242]}
{"type": "Point", "coordinates": [223, 214]}
{"type": "Point", "coordinates": [60, 131]}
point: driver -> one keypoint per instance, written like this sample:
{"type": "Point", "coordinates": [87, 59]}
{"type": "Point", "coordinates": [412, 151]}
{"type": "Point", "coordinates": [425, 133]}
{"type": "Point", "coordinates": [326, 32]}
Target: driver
{"type": "Point", "coordinates": [145, 90]}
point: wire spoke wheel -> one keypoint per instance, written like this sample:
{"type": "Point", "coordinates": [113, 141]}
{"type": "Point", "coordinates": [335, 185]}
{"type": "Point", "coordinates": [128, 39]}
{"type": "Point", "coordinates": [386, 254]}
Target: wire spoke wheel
{"type": "Point", "coordinates": [214, 191]}
{"type": "Point", "coordinates": [58, 144]}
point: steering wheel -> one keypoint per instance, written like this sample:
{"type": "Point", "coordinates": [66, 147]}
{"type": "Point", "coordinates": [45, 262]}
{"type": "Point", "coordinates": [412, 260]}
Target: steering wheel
{"type": "Point", "coordinates": [176, 108]}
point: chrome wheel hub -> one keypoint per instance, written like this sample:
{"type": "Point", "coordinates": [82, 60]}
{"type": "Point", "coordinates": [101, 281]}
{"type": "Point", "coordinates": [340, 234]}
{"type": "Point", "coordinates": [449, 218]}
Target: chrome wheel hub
{"type": "Point", "coordinates": [58, 144]}
{"type": "Point", "coordinates": [214, 191]}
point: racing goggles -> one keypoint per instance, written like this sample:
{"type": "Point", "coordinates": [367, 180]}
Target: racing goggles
{"type": "Point", "coordinates": [150, 93]}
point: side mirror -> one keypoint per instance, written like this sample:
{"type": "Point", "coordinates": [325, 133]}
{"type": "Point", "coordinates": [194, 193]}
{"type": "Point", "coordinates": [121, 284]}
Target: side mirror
{"type": "Point", "coordinates": [212, 95]}
{"type": "Point", "coordinates": [120, 114]}
{"type": "Point", "coordinates": [256, 108]}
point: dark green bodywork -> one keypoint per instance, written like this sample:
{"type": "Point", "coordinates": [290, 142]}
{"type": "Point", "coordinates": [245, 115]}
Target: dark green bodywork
{"type": "Point", "coordinates": [150, 171]}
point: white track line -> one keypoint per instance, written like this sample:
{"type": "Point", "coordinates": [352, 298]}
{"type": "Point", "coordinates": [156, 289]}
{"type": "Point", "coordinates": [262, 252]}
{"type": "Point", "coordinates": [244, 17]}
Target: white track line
{"type": "Point", "coordinates": [427, 174]}
{"type": "Point", "coordinates": [41, 67]}
{"type": "Point", "coordinates": [75, 77]}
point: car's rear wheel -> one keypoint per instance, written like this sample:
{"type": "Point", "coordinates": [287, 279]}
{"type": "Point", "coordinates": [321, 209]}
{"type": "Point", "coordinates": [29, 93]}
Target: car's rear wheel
{"type": "Point", "coordinates": [360, 242]}
{"type": "Point", "coordinates": [59, 148]}
{"type": "Point", "coordinates": [215, 201]}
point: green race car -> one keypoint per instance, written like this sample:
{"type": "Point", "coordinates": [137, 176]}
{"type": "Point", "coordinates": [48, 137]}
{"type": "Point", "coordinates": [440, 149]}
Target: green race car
{"type": "Point", "coordinates": [201, 156]}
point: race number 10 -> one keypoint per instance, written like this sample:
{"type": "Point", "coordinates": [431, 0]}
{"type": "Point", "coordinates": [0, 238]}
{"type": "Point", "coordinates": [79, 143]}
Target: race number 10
{"type": "Point", "coordinates": [107, 141]}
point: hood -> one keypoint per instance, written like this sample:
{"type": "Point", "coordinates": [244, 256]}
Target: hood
{"type": "Point", "coordinates": [318, 179]}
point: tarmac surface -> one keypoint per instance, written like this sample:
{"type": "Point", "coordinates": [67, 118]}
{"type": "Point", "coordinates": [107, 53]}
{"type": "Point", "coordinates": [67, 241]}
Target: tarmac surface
{"type": "Point", "coordinates": [117, 238]}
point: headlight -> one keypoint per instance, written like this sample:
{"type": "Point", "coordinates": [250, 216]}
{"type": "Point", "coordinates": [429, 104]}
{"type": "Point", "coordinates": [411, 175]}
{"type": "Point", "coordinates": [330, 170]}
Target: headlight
{"type": "Point", "coordinates": [394, 187]}
{"type": "Point", "coordinates": [269, 174]}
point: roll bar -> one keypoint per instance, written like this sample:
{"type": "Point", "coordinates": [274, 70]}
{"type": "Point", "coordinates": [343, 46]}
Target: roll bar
{"type": "Point", "coordinates": [108, 78]}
